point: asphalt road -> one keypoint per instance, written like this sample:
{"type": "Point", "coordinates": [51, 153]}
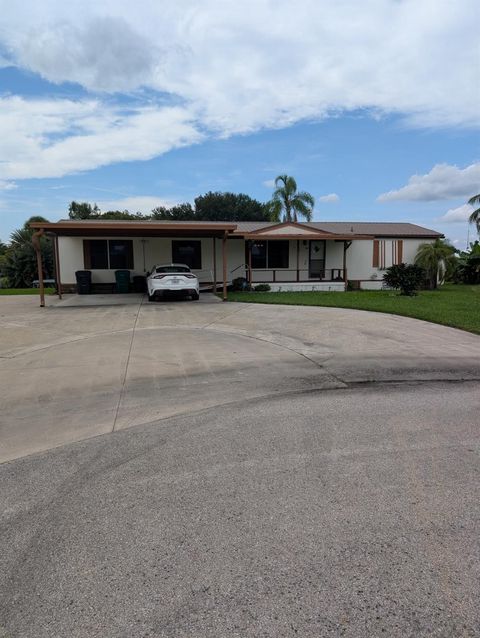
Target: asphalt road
{"type": "Point", "coordinates": [325, 512]}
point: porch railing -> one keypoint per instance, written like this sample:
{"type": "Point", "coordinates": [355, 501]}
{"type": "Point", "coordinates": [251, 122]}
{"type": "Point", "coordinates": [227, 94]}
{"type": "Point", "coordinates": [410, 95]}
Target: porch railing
{"type": "Point", "coordinates": [286, 275]}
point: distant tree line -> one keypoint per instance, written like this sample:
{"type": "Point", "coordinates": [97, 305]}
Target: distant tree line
{"type": "Point", "coordinates": [211, 206]}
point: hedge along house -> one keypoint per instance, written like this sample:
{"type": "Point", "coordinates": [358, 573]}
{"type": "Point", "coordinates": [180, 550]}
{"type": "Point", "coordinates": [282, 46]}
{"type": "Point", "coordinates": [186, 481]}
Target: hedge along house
{"type": "Point", "coordinates": [287, 256]}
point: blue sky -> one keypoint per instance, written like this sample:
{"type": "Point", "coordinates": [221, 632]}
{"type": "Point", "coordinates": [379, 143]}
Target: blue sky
{"type": "Point", "coordinates": [375, 113]}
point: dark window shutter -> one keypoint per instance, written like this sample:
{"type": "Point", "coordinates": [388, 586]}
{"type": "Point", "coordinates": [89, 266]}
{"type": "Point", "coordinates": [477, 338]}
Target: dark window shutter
{"type": "Point", "coordinates": [400, 251]}
{"type": "Point", "coordinates": [376, 253]}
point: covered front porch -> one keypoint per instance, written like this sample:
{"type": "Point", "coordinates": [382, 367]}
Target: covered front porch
{"type": "Point", "coordinates": [293, 257]}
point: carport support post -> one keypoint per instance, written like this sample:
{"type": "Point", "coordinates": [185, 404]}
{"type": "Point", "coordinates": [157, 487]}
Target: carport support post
{"type": "Point", "coordinates": [250, 262]}
{"type": "Point", "coordinates": [346, 246]}
{"type": "Point", "coordinates": [224, 261]}
{"type": "Point", "coordinates": [57, 266]}
{"type": "Point", "coordinates": [214, 266]}
{"type": "Point", "coordinates": [36, 244]}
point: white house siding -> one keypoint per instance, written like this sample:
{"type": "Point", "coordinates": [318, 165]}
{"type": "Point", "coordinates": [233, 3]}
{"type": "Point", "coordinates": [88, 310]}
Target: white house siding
{"type": "Point", "coordinates": [157, 250]}
{"type": "Point", "coordinates": [360, 259]}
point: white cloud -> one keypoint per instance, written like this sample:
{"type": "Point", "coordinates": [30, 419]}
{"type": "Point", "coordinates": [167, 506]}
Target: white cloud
{"type": "Point", "coordinates": [7, 186]}
{"type": "Point", "coordinates": [442, 182]}
{"type": "Point", "coordinates": [457, 215]}
{"type": "Point", "coordinates": [102, 54]}
{"type": "Point", "coordinates": [52, 138]}
{"type": "Point", "coordinates": [134, 204]}
{"type": "Point", "coordinates": [222, 67]}
{"type": "Point", "coordinates": [269, 183]}
{"type": "Point", "coordinates": [329, 199]}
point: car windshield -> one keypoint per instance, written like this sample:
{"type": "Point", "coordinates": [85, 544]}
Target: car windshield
{"type": "Point", "coordinates": [172, 269]}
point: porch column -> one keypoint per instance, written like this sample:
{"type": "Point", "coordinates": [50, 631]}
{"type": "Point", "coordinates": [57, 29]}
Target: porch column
{"type": "Point", "coordinates": [298, 260]}
{"type": "Point", "coordinates": [250, 262]}
{"type": "Point", "coordinates": [224, 261]}
{"type": "Point", "coordinates": [214, 265]}
{"type": "Point", "coordinates": [36, 245]}
{"type": "Point", "coordinates": [57, 267]}
{"type": "Point", "coordinates": [346, 246]}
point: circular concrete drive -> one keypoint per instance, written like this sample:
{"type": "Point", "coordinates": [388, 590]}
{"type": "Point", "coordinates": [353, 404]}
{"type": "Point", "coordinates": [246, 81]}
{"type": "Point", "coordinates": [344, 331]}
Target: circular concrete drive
{"type": "Point", "coordinates": [263, 471]}
{"type": "Point", "coordinates": [71, 372]}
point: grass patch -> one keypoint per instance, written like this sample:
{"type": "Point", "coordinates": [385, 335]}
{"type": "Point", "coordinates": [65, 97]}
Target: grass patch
{"type": "Point", "coordinates": [25, 291]}
{"type": "Point", "coordinates": [452, 305]}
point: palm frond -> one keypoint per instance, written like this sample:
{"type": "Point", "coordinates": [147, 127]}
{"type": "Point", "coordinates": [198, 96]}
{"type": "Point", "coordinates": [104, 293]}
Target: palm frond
{"type": "Point", "coordinates": [307, 198]}
{"type": "Point", "coordinates": [474, 200]}
{"type": "Point", "coordinates": [475, 218]}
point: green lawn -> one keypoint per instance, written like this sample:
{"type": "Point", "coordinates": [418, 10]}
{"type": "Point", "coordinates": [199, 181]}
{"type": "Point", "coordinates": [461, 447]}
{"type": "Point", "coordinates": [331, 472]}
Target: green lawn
{"type": "Point", "coordinates": [451, 305]}
{"type": "Point", "coordinates": [24, 291]}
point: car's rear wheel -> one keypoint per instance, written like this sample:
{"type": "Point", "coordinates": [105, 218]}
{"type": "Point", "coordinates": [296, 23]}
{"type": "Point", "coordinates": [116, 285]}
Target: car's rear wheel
{"type": "Point", "coordinates": [151, 297]}
{"type": "Point", "coordinates": [195, 296]}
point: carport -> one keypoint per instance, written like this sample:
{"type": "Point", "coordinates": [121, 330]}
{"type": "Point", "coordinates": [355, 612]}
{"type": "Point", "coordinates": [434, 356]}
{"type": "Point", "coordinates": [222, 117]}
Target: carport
{"type": "Point", "coordinates": [142, 229]}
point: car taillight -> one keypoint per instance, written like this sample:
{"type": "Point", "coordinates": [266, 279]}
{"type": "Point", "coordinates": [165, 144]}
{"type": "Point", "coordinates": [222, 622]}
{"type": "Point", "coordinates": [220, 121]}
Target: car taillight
{"type": "Point", "coordinates": [189, 275]}
{"type": "Point", "coordinates": [159, 276]}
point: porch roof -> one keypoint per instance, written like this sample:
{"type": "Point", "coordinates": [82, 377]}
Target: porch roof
{"type": "Point", "coordinates": [318, 236]}
{"type": "Point", "coordinates": [296, 230]}
{"type": "Point", "coordinates": [134, 228]}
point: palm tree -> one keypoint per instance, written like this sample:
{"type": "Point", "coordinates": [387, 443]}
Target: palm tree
{"type": "Point", "coordinates": [475, 216]}
{"type": "Point", "coordinates": [435, 258]}
{"type": "Point", "coordinates": [287, 199]}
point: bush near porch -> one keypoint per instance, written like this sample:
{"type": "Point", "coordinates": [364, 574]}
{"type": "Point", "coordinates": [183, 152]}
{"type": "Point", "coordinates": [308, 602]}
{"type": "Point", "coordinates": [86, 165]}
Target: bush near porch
{"type": "Point", "coordinates": [452, 305]}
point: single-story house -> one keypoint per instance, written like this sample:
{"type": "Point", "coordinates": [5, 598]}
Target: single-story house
{"type": "Point", "coordinates": [287, 256]}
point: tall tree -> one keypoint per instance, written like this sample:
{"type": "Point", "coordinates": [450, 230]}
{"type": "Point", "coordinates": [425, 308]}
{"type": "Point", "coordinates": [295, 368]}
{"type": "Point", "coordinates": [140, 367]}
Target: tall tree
{"type": "Point", "coordinates": [435, 258]}
{"type": "Point", "coordinates": [122, 214]}
{"type": "Point", "coordinates": [475, 216]}
{"type": "Point", "coordinates": [289, 201]}
{"type": "Point", "coordinates": [83, 210]}
{"type": "Point", "coordinates": [235, 207]}
{"type": "Point", "coordinates": [180, 212]}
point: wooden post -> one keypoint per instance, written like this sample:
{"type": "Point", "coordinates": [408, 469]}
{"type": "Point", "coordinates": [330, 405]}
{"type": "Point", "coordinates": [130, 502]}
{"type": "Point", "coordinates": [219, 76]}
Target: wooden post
{"type": "Point", "coordinates": [250, 262]}
{"type": "Point", "coordinates": [57, 267]}
{"type": "Point", "coordinates": [298, 260]}
{"type": "Point", "coordinates": [345, 248]}
{"type": "Point", "coordinates": [36, 244]}
{"type": "Point", "coordinates": [214, 266]}
{"type": "Point", "coordinates": [224, 262]}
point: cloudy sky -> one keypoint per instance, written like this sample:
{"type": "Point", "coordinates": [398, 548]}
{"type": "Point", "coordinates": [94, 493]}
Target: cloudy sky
{"type": "Point", "coordinates": [375, 111]}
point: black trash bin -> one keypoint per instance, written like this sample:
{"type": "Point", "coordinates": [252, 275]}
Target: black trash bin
{"type": "Point", "coordinates": [84, 282]}
{"type": "Point", "coordinates": [139, 283]}
{"type": "Point", "coordinates": [122, 281]}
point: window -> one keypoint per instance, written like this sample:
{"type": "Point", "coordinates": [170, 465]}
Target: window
{"type": "Point", "coordinates": [121, 253]}
{"type": "Point", "coordinates": [108, 254]}
{"type": "Point", "coordinates": [278, 252]}
{"type": "Point", "coordinates": [270, 254]}
{"type": "Point", "coordinates": [167, 269]}
{"type": "Point", "coordinates": [259, 254]}
{"type": "Point", "coordinates": [95, 253]}
{"type": "Point", "coordinates": [187, 252]}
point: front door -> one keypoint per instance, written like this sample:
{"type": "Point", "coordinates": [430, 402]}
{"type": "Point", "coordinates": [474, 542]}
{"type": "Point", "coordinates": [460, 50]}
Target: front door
{"type": "Point", "coordinates": [316, 263]}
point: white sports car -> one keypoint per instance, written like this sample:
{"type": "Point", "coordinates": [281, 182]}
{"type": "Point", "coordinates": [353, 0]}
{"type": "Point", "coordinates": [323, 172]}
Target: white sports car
{"type": "Point", "coordinates": [172, 278]}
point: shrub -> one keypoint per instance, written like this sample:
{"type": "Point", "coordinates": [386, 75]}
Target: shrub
{"type": "Point", "coordinates": [406, 277]}
{"type": "Point", "coordinates": [262, 288]}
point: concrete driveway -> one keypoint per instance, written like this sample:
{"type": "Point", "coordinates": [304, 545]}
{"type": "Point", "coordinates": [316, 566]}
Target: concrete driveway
{"type": "Point", "coordinates": [69, 373]}
{"type": "Point", "coordinates": [292, 472]}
